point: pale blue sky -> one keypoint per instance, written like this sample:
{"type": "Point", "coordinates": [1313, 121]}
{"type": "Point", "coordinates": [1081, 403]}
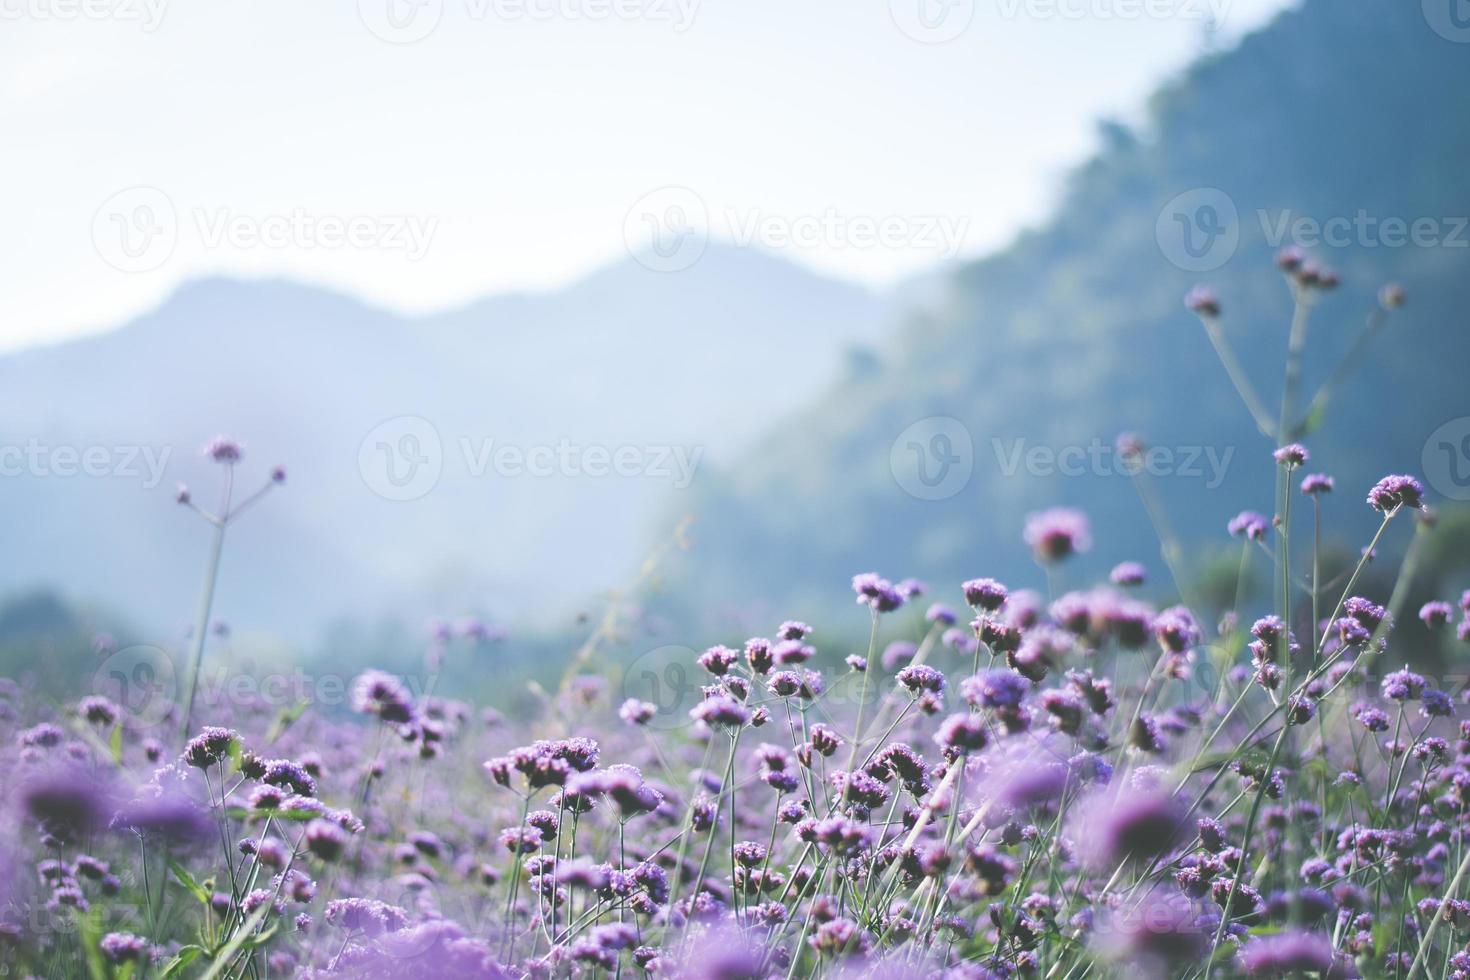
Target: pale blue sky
{"type": "Point", "coordinates": [505, 148]}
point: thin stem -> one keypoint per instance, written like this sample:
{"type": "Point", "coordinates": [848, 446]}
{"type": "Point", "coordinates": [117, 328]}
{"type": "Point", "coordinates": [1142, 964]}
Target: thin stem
{"type": "Point", "coordinates": [206, 601]}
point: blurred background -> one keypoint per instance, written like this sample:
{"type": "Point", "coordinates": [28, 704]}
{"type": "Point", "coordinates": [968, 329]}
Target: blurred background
{"type": "Point", "coordinates": [650, 322]}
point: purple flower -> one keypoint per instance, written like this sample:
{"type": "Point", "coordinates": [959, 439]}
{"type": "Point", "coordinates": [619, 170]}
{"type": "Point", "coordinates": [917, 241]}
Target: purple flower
{"type": "Point", "coordinates": [758, 654]}
{"type": "Point", "coordinates": [378, 693]}
{"type": "Point", "coordinates": [124, 947]}
{"type": "Point", "coordinates": [66, 804]}
{"type": "Point", "coordinates": [877, 592]}
{"type": "Point", "coordinates": [1162, 936]}
{"type": "Point", "coordinates": [1289, 954]}
{"type": "Point", "coordinates": [366, 915]}
{"type": "Point", "coordinates": [718, 660]}
{"type": "Point", "coordinates": [1402, 685]}
{"type": "Point", "coordinates": [1129, 827]}
{"type": "Point", "coordinates": [985, 593]}
{"type": "Point", "coordinates": [1435, 614]}
{"type": "Point", "coordinates": [1177, 629]}
{"type": "Point", "coordinates": [1317, 483]}
{"type": "Point", "coordinates": [793, 629]}
{"type": "Point", "coordinates": [1393, 492]}
{"type": "Point", "coordinates": [636, 712]}
{"type": "Point", "coordinates": [222, 449]}
{"type": "Point", "coordinates": [720, 711]}
{"type": "Point", "coordinates": [169, 816]}
{"type": "Point", "coordinates": [1202, 300]}
{"type": "Point", "coordinates": [1292, 455]}
{"type": "Point", "coordinates": [210, 747]}
{"type": "Point", "coordinates": [995, 689]}
{"type": "Point", "coordinates": [962, 733]}
{"type": "Point", "coordinates": [1057, 533]}
{"type": "Point", "coordinates": [97, 710]}
{"type": "Point", "coordinates": [1128, 573]}
{"type": "Point", "coordinates": [1436, 704]}
{"type": "Point", "coordinates": [291, 775]}
{"type": "Point", "coordinates": [941, 614]}
{"type": "Point", "coordinates": [1368, 614]}
{"type": "Point", "coordinates": [921, 677]}
{"type": "Point", "coordinates": [1248, 524]}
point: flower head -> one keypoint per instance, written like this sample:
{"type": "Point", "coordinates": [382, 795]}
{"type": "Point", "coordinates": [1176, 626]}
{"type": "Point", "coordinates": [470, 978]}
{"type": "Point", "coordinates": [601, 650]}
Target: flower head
{"type": "Point", "coordinates": [1057, 533]}
{"type": "Point", "coordinates": [1394, 492]}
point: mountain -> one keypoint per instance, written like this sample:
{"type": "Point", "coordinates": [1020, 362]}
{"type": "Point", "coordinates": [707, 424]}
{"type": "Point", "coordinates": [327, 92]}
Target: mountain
{"type": "Point", "coordinates": [1351, 116]}
{"type": "Point", "coordinates": [348, 397]}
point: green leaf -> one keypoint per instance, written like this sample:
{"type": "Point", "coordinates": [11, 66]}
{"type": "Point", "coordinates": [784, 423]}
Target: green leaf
{"type": "Point", "coordinates": [115, 743]}
{"type": "Point", "coordinates": [263, 937]}
{"type": "Point", "coordinates": [89, 932]}
{"type": "Point", "coordinates": [187, 880]}
{"type": "Point", "coordinates": [183, 958]}
{"type": "Point", "coordinates": [224, 956]}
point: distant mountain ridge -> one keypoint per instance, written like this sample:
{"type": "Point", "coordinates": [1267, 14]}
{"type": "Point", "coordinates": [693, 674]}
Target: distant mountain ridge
{"type": "Point", "coordinates": [1077, 332]}
{"type": "Point", "coordinates": [626, 358]}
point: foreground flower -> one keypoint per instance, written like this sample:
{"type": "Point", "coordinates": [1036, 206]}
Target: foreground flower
{"type": "Point", "coordinates": [1394, 492]}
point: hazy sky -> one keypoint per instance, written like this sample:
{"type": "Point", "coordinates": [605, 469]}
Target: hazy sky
{"type": "Point", "coordinates": [424, 152]}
